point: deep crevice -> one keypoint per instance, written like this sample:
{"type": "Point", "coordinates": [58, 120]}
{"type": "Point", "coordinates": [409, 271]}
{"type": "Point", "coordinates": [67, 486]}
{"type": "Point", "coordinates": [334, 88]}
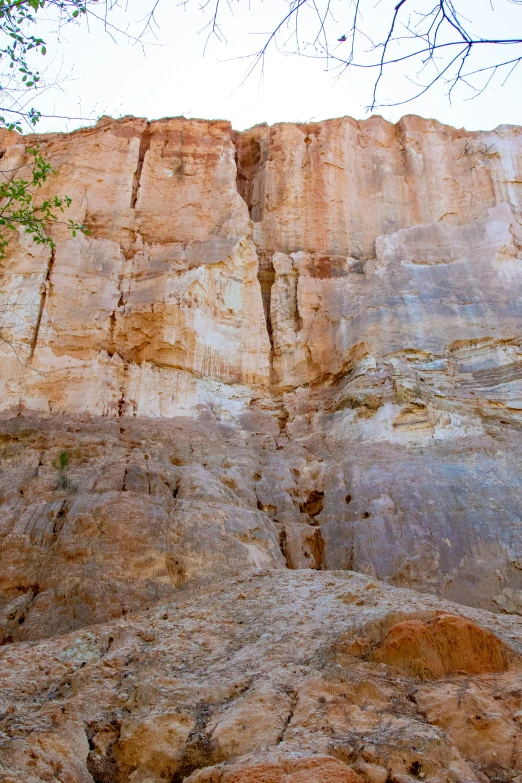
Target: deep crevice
{"type": "Point", "coordinates": [59, 522]}
{"type": "Point", "coordinates": [103, 766]}
{"type": "Point", "coordinates": [266, 277]}
{"type": "Point", "coordinates": [122, 402]}
{"type": "Point", "coordinates": [282, 545]}
{"type": "Point", "coordinates": [313, 505]}
{"type": "Point", "coordinates": [144, 148]}
{"type": "Point", "coordinates": [248, 160]}
{"type": "Point", "coordinates": [198, 752]}
{"type": "Point", "coordinates": [317, 549]}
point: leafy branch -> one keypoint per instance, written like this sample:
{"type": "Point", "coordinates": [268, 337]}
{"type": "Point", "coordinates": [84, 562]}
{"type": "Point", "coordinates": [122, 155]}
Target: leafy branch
{"type": "Point", "coordinates": [20, 78]}
{"type": "Point", "coordinates": [20, 207]}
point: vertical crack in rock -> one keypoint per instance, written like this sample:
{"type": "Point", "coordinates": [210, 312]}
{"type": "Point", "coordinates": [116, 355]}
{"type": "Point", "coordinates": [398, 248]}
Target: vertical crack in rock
{"type": "Point", "coordinates": [283, 545]}
{"type": "Point", "coordinates": [248, 166]}
{"type": "Point", "coordinates": [122, 402]}
{"type": "Point", "coordinates": [43, 297]}
{"type": "Point", "coordinates": [292, 693]}
{"type": "Point", "coordinates": [121, 405]}
{"type": "Point", "coordinates": [199, 751]}
{"type": "Point", "coordinates": [113, 317]}
{"type": "Point", "coordinates": [112, 327]}
{"type": "Point", "coordinates": [266, 277]}
{"type": "Point", "coordinates": [59, 521]}
{"type": "Point", "coordinates": [181, 166]}
{"type": "Point", "coordinates": [144, 148]}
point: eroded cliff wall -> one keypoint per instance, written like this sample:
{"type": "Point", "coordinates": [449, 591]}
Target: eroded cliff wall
{"type": "Point", "coordinates": [364, 239]}
{"type": "Point", "coordinates": [294, 346]}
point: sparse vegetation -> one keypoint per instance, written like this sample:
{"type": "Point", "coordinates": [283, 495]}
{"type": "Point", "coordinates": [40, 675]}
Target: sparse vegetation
{"type": "Point", "coordinates": [20, 83]}
{"type": "Point", "coordinates": [61, 464]}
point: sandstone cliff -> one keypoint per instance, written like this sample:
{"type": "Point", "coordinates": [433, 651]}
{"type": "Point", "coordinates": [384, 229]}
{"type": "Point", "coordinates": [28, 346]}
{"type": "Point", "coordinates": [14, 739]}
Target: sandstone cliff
{"type": "Point", "coordinates": [369, 243]}
{"type": "Point", "coordinates": [297, 347]}
{"type": "Point", "coordinates": [341, 300]}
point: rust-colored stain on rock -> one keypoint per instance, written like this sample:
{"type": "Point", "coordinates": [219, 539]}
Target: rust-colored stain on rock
{"type": "Point", "coordinates": [443, 646]}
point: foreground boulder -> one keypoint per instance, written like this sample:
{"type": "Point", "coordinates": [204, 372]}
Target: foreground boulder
{"type": "Point", "coordinates": [254, 682]}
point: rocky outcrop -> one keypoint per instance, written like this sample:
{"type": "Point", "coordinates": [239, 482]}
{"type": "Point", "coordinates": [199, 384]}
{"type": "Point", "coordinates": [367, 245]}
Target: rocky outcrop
{"type": "Point", "coordinates": [297, 345]}
{"type": "Point", "coordinates": [145, 508]}
{"type": "Point", "coordinates": [256, 682]}
{"type": "Point", "coordinates": [160, 300]}
{"type": "Point", "coordinates": [443, 646]}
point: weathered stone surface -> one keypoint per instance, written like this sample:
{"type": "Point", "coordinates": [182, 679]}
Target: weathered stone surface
{"type": "Point", "coordinates": [252, 683]}
{"type": "Point", "coordinates": [160, 304]}
{"type": "Point", "coordinates": [147, 507]}
{"type": "Point", "coordinates": [159, 310]}
{"type": "Point", "coordinates": [133, 517]}
{"type": "Point", "coordinates": [310, 769]}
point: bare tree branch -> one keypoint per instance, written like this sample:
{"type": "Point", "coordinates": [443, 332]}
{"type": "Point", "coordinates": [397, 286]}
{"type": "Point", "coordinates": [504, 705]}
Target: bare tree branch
{"type": "Point", "coordinates": [431, 38]}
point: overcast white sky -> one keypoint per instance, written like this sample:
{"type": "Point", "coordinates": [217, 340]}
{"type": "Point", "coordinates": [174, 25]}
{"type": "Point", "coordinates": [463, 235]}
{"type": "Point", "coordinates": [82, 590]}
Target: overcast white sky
{"type": "Point", "coordinates": [174, 77]}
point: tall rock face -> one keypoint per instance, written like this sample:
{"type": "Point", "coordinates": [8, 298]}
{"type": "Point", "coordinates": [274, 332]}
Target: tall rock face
{"type": "Point", "coordinates": [294, 346]}
{"type": "Point", "coordinates": [364, 241]}
{"type": "Point", "coordinates": [162, 293]}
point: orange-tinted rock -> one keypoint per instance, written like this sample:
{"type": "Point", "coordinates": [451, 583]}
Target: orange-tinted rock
{"type": "Point", "coordinates": [314, 769]}
{"type": "Point", "coordinates": [191, 224]}
{"type": "Point", "coordinates": [446, 645]}
{"type": "Point", "coordinates": [476, 722]}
